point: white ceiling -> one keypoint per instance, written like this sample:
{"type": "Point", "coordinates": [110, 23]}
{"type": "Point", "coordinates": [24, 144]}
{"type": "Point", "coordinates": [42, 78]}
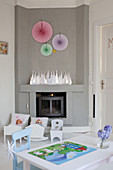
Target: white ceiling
{"type": "Point", "coordinates": [49, 3]}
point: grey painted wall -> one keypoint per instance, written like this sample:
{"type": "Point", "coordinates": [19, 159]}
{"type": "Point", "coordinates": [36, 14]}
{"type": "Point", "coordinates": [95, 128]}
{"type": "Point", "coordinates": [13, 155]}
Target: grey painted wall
{"type": "Point", "coordinates": [30, 58]}
{"type": "Point", "coordinates": [73, 22]}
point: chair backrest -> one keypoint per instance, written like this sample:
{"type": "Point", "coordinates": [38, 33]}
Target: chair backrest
{"type": "Point", "coordinates": [19, 119]}
{"type": "Point", "coordinates": [21, 134]}
{"type": "Point", "coordinates": [57, 124]}
{"type": "Point", "coordinates": [18, 135]}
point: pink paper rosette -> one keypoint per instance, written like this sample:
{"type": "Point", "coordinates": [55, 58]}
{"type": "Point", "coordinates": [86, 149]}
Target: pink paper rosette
{"type": "Point", "coordinates": [60, 42]}
{"type": "Point", "coordinates": [42, 31]}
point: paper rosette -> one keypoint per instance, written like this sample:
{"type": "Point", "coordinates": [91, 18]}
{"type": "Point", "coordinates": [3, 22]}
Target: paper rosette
{"type": "Point", "coordinates": [46, 49]}
{"type": "Point", "coordinates": [42, 31]}
{"type": "Point", "coordinates": [60, 42]}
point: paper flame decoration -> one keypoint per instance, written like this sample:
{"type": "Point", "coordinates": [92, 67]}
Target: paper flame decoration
{"type": "Point", "coordinates": [46, 49]}
{"type": "Point", "coordinates": [42, 31]}
{"type": "Point", "coordinates": [60, 42]}
{"type": "Point", "coordinates": [50, 78]}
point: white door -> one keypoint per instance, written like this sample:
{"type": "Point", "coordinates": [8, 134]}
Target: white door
{"type": "Point", "coordinates": [106, 75]}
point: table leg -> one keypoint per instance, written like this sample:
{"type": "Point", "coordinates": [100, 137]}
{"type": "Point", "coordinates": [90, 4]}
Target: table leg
{"type": "Point", "coordinates": [26, 165]}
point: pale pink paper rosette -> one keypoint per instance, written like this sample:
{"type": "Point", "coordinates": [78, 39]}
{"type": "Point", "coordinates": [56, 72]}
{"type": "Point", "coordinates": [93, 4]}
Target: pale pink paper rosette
{"type": "Point", "coordinates": [42, 31]}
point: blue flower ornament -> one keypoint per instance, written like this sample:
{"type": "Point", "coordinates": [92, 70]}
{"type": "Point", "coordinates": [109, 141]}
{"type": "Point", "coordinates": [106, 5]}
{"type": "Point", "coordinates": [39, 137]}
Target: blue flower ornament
{"type": "Point", "coordinates": [104, 134]}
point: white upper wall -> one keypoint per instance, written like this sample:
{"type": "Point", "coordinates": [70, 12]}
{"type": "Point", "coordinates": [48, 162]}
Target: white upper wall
{"type": "Point", "coordinates": [7, 62]}
{"type": "Point", "coordinates": [99, 11]}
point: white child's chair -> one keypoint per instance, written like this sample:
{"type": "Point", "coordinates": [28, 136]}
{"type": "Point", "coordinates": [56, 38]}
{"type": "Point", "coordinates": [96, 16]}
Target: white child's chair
{"type": "Point", "coordinates": [56, 129]}
{"type": "Point", "coordinates": [18, 122]}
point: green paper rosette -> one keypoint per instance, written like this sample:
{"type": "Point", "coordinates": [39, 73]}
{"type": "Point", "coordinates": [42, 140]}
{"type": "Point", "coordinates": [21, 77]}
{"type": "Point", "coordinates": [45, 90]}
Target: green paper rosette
{"type": "Point", "coordinates": [46, 49]}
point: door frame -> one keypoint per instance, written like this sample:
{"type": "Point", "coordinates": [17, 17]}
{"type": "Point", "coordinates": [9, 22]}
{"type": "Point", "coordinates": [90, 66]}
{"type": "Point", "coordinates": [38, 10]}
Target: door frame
{"type": "Point", "coordinates": [95, 123]}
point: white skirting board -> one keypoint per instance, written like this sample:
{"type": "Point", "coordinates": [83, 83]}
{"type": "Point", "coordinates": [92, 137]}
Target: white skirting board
{"type": "Point", "coordinates": [78, 129]}
{"type": "Point", "coordinates": [81, 129]}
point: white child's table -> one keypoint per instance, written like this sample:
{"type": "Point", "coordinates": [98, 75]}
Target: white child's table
{"type": "Point", "coordinates": [89, 161]}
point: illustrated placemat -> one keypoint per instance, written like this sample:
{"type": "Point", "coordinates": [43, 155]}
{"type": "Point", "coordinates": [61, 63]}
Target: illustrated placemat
{"type": "Point", "coordinates": [63, 152]}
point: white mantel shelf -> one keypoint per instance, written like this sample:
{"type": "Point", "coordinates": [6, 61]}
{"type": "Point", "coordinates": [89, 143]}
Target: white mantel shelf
{"type": "Point", "coordinates": [51, 88]}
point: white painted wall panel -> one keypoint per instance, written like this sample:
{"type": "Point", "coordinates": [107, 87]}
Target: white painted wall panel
{"type": "Point", "coordinates": [7, 62]}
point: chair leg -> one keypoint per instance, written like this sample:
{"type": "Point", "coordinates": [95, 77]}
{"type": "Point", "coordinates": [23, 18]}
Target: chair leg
{"type": "Point", "coordinates": [51, 139]}
{"type": "Point", "coordinates": [4, 138]}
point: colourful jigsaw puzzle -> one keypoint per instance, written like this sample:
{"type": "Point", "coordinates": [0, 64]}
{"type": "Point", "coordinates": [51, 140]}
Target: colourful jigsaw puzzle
{"type": "Point", "coordinates": [62, 152]}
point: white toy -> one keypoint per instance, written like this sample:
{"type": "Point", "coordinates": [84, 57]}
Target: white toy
{"type": "Point", "coordinates": [38, 126]}
{"type": "Point", "coordinates": [37, 133]}
{"type": "Point", "coordinates": [56, 129]}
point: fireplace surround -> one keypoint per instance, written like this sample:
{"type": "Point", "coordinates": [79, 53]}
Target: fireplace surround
{"type": "Point", "coordinates": [75, 102]}
{"type": "Point", "coordinates": [51, 104]}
